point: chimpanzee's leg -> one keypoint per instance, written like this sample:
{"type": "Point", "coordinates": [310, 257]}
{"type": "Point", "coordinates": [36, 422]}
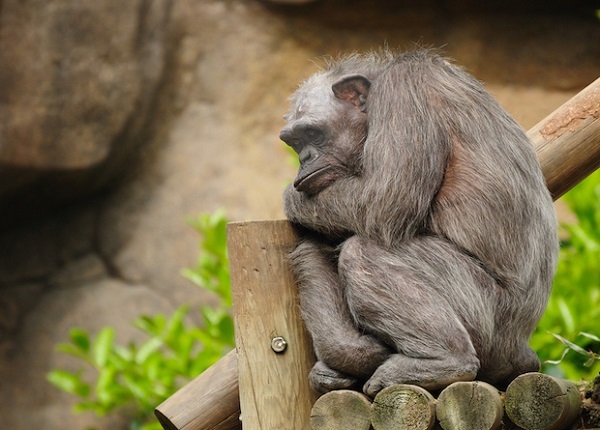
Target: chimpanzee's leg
{"type": "Point", "coordinates": [346, 355]}
{"type": "Point", "coordinates": [431, 302]}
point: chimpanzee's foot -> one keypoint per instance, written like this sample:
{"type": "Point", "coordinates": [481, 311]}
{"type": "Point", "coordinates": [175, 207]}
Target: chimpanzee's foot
{"type": "Point", "coordinates": [324, 379]}
{"type": "Point", "coordinates": [502, 372]}
{"type": "Point", "coordinates": [431, 374]}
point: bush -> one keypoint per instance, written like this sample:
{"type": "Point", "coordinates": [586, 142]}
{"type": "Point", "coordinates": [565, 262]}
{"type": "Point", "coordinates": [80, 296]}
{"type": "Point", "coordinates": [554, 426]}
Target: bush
{"type": "Point", "coordinates": [132, 380]}
{"type": "Point", "coordinates": [573, 311]}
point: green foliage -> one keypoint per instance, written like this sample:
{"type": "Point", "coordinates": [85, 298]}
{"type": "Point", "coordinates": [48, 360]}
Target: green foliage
{"type": "Point", "coordinates": [212, 268]}
{"type": "Point", "coordinates": [132, 380]}
{"type": "Point", "coordinates": [574, 308]}
{"type": "Point", "coordinates": [591, 356]}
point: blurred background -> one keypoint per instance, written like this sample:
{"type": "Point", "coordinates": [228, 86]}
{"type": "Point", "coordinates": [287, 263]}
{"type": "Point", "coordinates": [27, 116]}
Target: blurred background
{"type": "Point", "coordinates": [121, 122]}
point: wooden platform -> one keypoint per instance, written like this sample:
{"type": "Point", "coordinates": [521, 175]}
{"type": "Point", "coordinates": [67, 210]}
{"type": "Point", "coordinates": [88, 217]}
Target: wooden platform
{"type": "Point", "coordinates": [273, 349]}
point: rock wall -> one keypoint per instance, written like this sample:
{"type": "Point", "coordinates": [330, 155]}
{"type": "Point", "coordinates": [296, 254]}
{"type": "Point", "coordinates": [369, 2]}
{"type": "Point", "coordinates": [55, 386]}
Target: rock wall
{"type": "Point", "coordinates": [120, 119]}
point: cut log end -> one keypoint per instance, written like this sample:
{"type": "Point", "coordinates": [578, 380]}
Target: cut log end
{"type": "Point", "coordinates": [403, 406]}
{"type": "Point", "coordinates": [164, 421]}
{"type": "Point", "coordinates": [535, 401]}
{"type": "Point", "coordinates": [341, 410]}
{"type": "Point", "coordinates": [210, 401]}
{"type": "Point", "coordinates": [470, 406]}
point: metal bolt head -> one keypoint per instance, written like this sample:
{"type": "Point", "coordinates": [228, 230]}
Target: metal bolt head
{"type": "Point", "coordinates": [278, 344]}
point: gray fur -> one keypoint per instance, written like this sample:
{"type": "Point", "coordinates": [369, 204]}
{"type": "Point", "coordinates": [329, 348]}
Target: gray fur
{"type": "Point", "coordinates": [430, 249]}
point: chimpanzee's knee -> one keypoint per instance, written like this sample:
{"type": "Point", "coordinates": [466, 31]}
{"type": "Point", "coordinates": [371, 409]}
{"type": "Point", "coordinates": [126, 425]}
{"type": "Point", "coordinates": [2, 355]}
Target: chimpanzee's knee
{"type": "Point", "coordinates": [355, 254]}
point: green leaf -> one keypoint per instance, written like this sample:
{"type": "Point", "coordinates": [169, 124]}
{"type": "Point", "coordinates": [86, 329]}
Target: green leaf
{"type": "Point", "coordinates": [590, 336]}
{"type": "Point", "coordinates": [137, 388]}
{"type": "Point", "coordinates": [193, 276]}
{"type": "Point", "coordinates": [571, 345]}
{"type": "Point", "coordinates": [153, 367]}
{"type": "Point", "coordinates": [226, 328]}
{"type": "Point", "coordinates": [106, 388]}
{"type": "Point", "coordinates": [559, 360]}
{"type": "Point", "coordinates": [154, 326]}
{"type": "Point", "coordinates": [89, 406]}
{"type": "Point", "coordinates": [80, 338]}
{"type": "Point", "coordinates": [567, 316]}
{"type": "Point", "coordinates": [152, 426]}
{"type": "Point", "coordinates": [103, 345]}
{"type": "Point", "coordinates": [175, 328]}
{"type": "Point", "coordinates": [75, 351]}
{"type": "Point", "coordinates": [147, 349]}
{"type": "Point", "coordinates": [69, 382]}
{"type": "Point", "coordinates": [123, 354]}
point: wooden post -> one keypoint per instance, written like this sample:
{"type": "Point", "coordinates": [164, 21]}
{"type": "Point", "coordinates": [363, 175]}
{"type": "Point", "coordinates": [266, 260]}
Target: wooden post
{"type": "Point", "coordinates": [403, 407]}
{"type": "Point", "coordinates": [535, 401]}
{"type": "Point", "coordinates": [210, 401]}
{"type": "Point", "coordinates": [567, 141]}
{"type": "Point", "coordinates": [341, 410]}
{"type": "Point", "coordinates": [274, 350]}
{"type": "Point", "coordinates": [471, 405]}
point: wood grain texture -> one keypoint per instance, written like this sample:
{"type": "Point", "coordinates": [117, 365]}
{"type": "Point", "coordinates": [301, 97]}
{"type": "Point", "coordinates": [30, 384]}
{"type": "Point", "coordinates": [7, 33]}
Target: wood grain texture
{"type": "Point", "coordinates": [535, 401]}
{"type": "Point", "coordinates": [403, 407]}
{"type": "Point", "coordinates": [341, 410]}
{"type": "Point", "coordinates": [567, 141]}
{"type": "Point", "coordinates": [274, 388]}
{"type": "Point", "coordinates": [210, 401]}
{"type": "Point", "coordinates": [472, 405]}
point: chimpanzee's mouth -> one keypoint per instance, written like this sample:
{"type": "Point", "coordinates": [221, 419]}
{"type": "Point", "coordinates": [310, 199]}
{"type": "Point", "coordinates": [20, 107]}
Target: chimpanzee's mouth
{"type": "Point", "coordinates": [302, 183]}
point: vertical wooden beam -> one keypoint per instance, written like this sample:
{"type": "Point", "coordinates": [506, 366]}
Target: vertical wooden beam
{"type": "Point", "coordinates": [273, 378]}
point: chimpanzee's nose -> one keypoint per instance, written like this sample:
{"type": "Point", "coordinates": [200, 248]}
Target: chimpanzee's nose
{"type": "Point", "coordinates": [286, 135]}
{"type": "Point", "coordinates": [308, 154]}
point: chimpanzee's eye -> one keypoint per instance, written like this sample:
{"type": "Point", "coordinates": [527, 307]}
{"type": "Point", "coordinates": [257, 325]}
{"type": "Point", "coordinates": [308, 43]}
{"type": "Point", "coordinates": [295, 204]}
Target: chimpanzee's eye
{"type": "Point", "coordinates": [295, 143]}
{"type": "Point", "coordinates": [313, 135]}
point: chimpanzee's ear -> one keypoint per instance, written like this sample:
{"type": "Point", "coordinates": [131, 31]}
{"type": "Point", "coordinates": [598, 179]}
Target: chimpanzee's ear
{"type": "Point", "coordinates": [353, 89]}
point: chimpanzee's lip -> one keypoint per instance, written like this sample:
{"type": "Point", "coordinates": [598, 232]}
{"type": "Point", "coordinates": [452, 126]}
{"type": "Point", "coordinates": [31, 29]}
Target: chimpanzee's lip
{"type": "Point", "coordinates": [301, 183]}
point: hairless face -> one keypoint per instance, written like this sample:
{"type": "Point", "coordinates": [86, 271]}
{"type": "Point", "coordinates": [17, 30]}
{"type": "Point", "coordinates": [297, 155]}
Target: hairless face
{"type": "Point", "coordinates": [327, 127]}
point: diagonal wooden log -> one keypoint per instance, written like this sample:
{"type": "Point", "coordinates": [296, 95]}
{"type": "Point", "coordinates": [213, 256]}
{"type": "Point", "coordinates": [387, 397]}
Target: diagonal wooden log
{"type": "Point", "coordinates": [218, 400]}
{"type": "Point", "coordinates": [567, 141]}
{"type": "Point", "coordinates": [567, 144]}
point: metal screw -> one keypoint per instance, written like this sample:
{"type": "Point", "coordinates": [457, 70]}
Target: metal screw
{"type": "Point", "coordinates": [278, 344]}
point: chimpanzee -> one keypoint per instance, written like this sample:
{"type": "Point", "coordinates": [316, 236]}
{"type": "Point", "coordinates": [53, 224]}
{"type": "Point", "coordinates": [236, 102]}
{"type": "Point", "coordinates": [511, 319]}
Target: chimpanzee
{"type": "Point", "coordinates": [430, 238]}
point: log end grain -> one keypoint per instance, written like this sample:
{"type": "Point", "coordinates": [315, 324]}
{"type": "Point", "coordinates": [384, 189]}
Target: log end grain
{"type": "Point", "coordinates": [403, 406]}
{"type": "Point", "coordinates": [341, 410]}
{"type": "Point", "coordinates": [535, 401]}
{"type": "Point", "coordinates": [472, 405]}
